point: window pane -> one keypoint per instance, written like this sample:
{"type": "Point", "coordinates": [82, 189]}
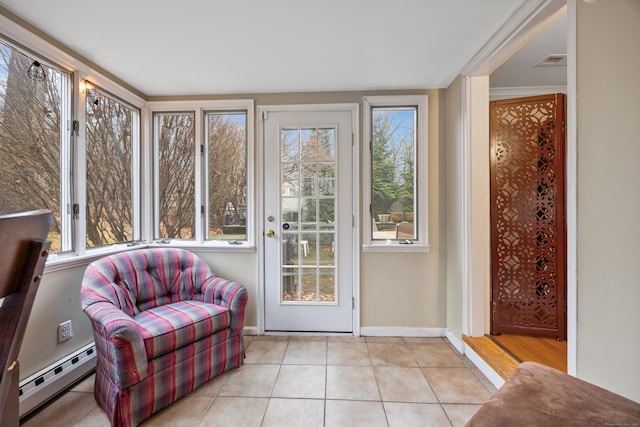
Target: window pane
{"type": "Point", "coordinates": [393, 172]}
{"type": "Point", "coordinates": [33, 141]}
{"type": "Point", "coordinates": [110, 137]}
{"type": "Point", "coordinates": [175, 145]}
{"type": "Point", "coordinates": [226, 136]}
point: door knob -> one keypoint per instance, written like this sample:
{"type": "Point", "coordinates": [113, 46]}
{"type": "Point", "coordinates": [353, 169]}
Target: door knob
{"type": "Point", "coordinates": [271, 233]}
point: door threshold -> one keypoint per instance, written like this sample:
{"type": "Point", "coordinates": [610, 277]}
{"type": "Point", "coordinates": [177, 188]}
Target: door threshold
{"type": "Point", "coordinates": [502, 362]}
{"type": "Point", "coordinates": [310, 334]}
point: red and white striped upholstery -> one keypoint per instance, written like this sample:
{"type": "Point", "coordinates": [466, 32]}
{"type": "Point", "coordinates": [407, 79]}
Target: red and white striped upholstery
{"type": "Point", "coordinates": [163, 325]}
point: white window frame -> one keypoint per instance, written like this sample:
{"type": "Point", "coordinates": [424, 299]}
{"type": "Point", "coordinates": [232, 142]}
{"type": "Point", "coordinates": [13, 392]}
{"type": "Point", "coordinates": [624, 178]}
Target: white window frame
{"type": "Point", "coordinates": [73, 163]}
{"type": "Point", "coordinates": [421, 243]}
{"type": "Point", "coordinates": [136, 170]}
{"type": "Point", "coordinates": [200, 108]}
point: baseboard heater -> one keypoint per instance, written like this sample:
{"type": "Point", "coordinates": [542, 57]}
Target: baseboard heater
{"type": "Point", "coordinates": [50, 381]}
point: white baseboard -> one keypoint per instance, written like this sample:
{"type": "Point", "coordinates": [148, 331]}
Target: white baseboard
{"type": "Point", "coordinates": [380, 331]}
{"type": "Point", "coordinates": [455, 342]}
{"type": "Point", "coordinates": [250, 330]}
{"type": "Point", "coordinates": [371, 331]}
{"type": "Point", "coordinates": [487, 370]}
{"type": "Point", "coordinates": [47, 383]}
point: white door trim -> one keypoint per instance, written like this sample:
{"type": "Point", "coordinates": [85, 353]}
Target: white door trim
{"type": "Point", "coordinates": [354, 109]}
{"type": "Point", "coordinates": [531, 18]}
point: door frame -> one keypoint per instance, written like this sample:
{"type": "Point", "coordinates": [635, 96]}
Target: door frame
{"type": "Point", "coordinates": [354, 109]}
{"type": "Point", "coordinates": [524, 25]}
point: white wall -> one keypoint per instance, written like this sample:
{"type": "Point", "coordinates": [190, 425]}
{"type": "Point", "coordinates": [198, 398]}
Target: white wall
{"type": "Point", "coordinates": [57, 300]}
{"type": "Point", "coordinates": [608, 151]}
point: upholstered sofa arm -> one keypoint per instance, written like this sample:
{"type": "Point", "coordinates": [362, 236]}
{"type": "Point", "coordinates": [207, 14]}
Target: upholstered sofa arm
{"type": "Point", "coordinates": [228, 294]}
{"type": "Point", "coordinates": [120, 343]}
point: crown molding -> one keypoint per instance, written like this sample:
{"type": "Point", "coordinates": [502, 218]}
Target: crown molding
{"type": "Point", "coordinates": [529, 20]}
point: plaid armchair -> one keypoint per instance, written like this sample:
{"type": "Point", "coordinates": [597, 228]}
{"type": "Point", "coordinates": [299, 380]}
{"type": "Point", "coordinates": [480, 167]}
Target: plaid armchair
{"type": "Point", "coordinates": [163, 325]}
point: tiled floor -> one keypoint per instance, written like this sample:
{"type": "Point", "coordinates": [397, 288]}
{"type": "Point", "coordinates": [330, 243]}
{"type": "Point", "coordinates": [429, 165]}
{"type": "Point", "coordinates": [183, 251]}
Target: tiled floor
{"type": "Point", "coordinates": [314, 381]}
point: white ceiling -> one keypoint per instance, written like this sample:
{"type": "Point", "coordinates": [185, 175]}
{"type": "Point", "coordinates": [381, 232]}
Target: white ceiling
{"type": "Point", "coordinates": [170, 47]}
{"type": "Point", "coordinates": [521, 70]}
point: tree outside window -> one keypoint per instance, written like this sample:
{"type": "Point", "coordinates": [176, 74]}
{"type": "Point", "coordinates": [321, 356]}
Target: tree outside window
{"type": "Point", "coordinates": [33, 132]}
{"type": "Point", "coordinates": [226, 148]}
{"type": "Point", "coordinates": [110, 132]}
{"type": "Point", "coordinates": [175, 145]}
{"type": "Point", "coordinates": [393, 148]}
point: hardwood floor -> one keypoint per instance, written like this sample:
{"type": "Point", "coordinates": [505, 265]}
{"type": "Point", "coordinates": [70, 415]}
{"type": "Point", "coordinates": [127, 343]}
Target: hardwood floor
{"type": "Point", "coordinates": [547, 351]}
{"type": "Point", "coordinates": [505, 352]}
{"type": "Point", "coordinates": [500, 361]}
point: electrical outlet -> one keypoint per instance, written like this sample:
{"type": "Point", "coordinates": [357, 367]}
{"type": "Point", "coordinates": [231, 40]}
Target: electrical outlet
{"type": "Point", "coordinates": [64, 331]}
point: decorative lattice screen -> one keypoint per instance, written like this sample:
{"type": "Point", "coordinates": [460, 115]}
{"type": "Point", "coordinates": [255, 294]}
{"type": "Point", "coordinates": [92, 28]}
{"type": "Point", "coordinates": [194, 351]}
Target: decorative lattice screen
{"type": "Point", "coordinates": [527, 216]}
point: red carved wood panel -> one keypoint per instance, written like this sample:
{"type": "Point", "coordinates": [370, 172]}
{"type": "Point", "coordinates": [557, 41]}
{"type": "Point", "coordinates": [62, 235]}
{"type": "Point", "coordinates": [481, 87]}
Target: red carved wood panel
{"type": "Point", "coordinates": [528, 234]}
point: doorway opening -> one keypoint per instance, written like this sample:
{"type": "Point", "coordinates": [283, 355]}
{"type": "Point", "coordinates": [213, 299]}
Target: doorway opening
{"type": "Point", "coordinates": [528, 306]}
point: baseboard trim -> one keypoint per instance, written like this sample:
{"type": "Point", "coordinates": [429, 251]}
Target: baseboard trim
{"type": "Point", "coordinates": [487, 370]}
{"type": "Point", "coordinates": [250, 330]}
{"type": "Point", "coordinates": [376, 331]}
{"type": "Point", "coordinates": [455, 342]}
{"type": "Point", "coordinates": [47, 383]}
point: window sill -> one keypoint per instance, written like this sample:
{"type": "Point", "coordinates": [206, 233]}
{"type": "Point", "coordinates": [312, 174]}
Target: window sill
{"type": "Point", "coordinates": [205, 247]}
{"type": "Point", "coordinates": [58, 262]}
{"type": "Point", "coordinates": [395, 247]}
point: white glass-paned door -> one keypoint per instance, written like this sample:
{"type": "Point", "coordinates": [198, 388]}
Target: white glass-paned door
{"type": "Point", "coordinates": [308, 224]}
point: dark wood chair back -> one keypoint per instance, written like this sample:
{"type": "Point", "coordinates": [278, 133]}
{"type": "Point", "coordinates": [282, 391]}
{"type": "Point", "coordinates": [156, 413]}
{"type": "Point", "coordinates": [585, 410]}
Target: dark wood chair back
{"type": "Point", "coordinates": [23, 253]}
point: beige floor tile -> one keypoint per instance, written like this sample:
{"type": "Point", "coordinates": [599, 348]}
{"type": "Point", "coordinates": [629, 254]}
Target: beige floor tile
{"type": "Point", "coordinates": [350, 413]}
{"type": "Point", "coordinates": [64, 411]}
{"type": "Point", "coordinates": [212, 387]}
{"type": "Point", "coordinates": [393, 340]}
{"type": "Point", "coordinates": [346, 338]}
{"type": "Point", "coordinates": [313, 381]}
{"type": "Point", "coordinates": [436, 356]}
{"type": "Point", "coordinates": [86, 385]}
{"type": "Point", "coordinates": [390, 354]}
{"type": "Point", "coordinates": [321, 338]}
{"type": "Point", "coordinates": [271, 338]}
{"type": "Point", "coordinates": [348, 353]}
{"type": "Point", "coordinates": [251, 381]}
{"type": "Point", "coordinates": [236, 412]}
{"type": "Point", "coordinates": [294, 413]}
{"type": "Point", "coordinates": [484, 380]}
{"type": "Point", "coordinates": [95, 418]}
{"type": "Point", "coordinates": [306, 353]}
{"type": "Point", "coordinates": [185, 412]}
{"type": "Point", "coordinates": [460, 414]}
{"type": "Point", "coordinates": [352, 383]}
{"type": "Point", "coordinates": [457, 385]}
{"type": "Point", "coordinates": [425, 340]}
{"type": "Point", "coordinates": [415, 415]}
{"type": "Point", "coordinates": [300, 381]}
{"type": "Point", "coordinates": [265, 351]}
{"type": "Point", "coordinates": [404, 385]}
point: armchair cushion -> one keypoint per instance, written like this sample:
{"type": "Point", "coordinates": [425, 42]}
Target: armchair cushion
{"type": "Point", "coordinates": [169, 327]}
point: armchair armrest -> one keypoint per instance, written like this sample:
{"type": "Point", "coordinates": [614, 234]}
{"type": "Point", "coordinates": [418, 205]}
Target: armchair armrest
{"type": "Point", "coordinates": [228, 294]}
{"type": "Point", "coordinates": [118, 340]}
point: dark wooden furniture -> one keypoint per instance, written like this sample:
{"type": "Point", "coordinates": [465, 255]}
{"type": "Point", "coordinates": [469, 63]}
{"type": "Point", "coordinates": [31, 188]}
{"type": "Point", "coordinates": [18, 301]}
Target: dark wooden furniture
{"type": "Point", "coordinates": [23, 253]}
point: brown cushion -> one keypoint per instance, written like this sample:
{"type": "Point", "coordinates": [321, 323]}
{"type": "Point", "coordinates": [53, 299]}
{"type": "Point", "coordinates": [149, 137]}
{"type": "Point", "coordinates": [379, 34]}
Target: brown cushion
{"type": "Point", "coordinates": [537, 395]}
